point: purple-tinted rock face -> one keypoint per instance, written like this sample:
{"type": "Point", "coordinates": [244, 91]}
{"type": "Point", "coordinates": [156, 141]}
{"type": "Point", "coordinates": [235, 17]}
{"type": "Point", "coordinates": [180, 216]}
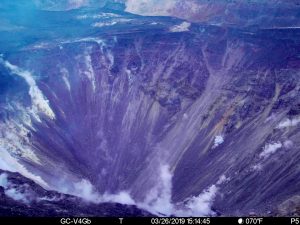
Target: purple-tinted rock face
{"type": "Point", "coordinates": [177, 118]}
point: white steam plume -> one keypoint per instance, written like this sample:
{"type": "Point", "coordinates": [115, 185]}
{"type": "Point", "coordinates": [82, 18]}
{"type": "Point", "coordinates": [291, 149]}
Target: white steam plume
{"type": "Point", "coordinates": [158, 200]}
{"type": "Point", "coordinates": [39, 102]}
{"type": "Point", "coordinates": [270, 149]}
{"type": "Point", "coordinates": [13, 192]}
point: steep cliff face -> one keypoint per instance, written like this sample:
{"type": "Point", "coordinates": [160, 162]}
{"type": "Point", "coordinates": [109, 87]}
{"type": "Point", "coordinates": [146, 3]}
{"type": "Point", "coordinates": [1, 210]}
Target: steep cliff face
{"type": "Point", "coordinates": [180, 118]}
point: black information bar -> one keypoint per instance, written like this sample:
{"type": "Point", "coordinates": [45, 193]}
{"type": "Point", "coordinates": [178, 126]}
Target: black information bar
{"type": "Point", "coordinates": [151, 220]}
